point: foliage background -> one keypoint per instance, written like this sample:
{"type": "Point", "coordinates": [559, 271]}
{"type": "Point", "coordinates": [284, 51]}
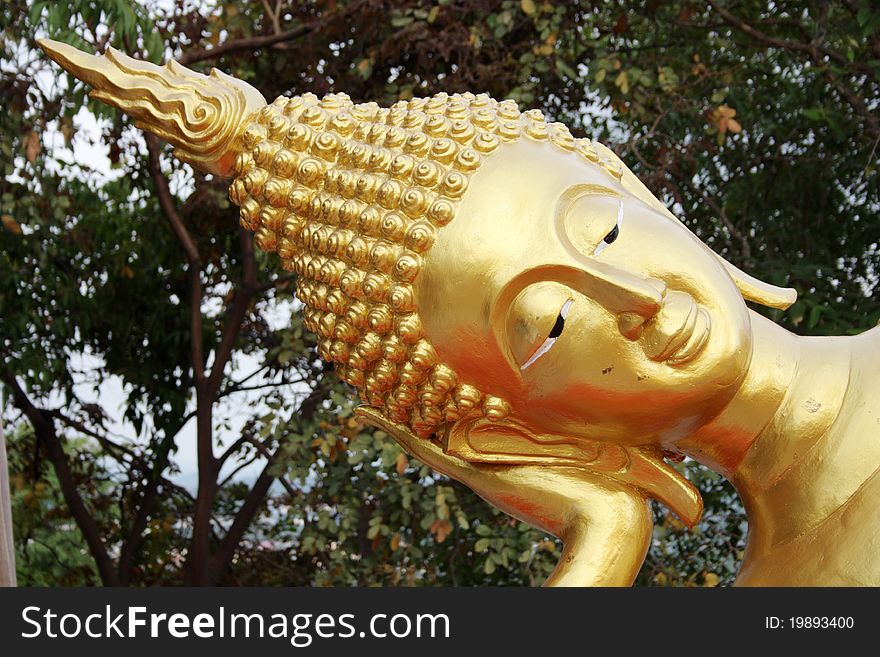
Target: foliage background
{"type": "Point", "coordinates": [757, 122]}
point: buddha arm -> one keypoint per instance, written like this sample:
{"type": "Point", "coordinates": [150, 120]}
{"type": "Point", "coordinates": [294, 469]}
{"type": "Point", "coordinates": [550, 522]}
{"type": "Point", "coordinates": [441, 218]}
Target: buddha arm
{"type": "Point", "coordinates": [606, 541]}
{"type": "Point", "coordinates": [605, 525]}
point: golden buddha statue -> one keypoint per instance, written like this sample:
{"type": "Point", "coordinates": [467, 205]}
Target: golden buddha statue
{"type": "Point", "coordinates": [520, 313]}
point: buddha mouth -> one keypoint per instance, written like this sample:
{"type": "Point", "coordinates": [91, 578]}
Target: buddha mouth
{"type": "Point", "coordinates": [679, 331]}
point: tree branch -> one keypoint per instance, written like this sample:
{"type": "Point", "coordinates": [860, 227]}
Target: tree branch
{"type": "Point", "coordinates": [235, 386]}
{"type": "Point", "coordinates": [257, 495]}
{"type": "Point", "coordinates": [255, 499]}
{"type": "Point", "coordinates": [169, 209]}
{"type": "Point", "coordinates": [110, 445]}
{"type": "Point", "coordinates": [817, 53]}
{"type": "Point", "coordinates": [45, 430]}
{"type": "Point", "coordinates": [241, 466]}
{"type": "Point", "coordinates": [166, 201]}
{"type": "Point", "coordinates": [813, 49]}
{"type": "Point", "coordinates": [231, 450]}
{"type": "Point", "coordinates": [250, 43]}
{"type": "Point", "coordinates": [199, 553]}
{"type": "Point", "coordinates": [240, 304]}
{"type": "Point", "coordinates": [261, 448]}
{"type": "Point", "coordinates": [745, 248]}
{"type": "Point", "coordinates": [257, 42]}
{"type": "Point", "coordinates": [260, 386]}
{"type": "Point", "coordinates": [274, 15]}
{"type": "Point", "coordinates": [148, 497]}
{"type": "Point", "coordinates": [872, 125]}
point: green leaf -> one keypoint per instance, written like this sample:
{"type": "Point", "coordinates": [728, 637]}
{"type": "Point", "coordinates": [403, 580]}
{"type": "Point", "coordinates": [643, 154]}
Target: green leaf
{"type": "Point", "coordinates": [564, 69]}
{"type": "Point", "coordinates": [718, 96]}
{"type": "Point", "coordinates": [36, 12]}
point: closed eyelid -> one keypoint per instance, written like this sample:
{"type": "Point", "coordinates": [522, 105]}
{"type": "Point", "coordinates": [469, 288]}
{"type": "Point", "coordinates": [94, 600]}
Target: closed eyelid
{"type": "Point", "coordinates": [555, 332]}
{"type": "Point", "coordinates": [603, 244]}
{"type": "Point", "coordinates": [571, 197]}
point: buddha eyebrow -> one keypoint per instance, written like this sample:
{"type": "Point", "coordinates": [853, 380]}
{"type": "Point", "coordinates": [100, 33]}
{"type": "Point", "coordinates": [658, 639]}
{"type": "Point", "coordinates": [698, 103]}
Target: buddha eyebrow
{"type": "Point", "coordinates": [555, 332]}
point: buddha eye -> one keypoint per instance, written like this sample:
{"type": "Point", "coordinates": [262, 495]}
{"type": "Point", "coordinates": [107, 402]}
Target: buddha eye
{"type": "Point", "coordinates": [555, 332]}
{"type": "Point", "coordinates": [612, 235]}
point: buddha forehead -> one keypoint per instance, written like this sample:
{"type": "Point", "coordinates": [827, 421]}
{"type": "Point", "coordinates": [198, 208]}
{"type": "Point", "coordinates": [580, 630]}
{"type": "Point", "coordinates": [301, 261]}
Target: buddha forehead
{"type": "Point", "coordinates": [508, 217]}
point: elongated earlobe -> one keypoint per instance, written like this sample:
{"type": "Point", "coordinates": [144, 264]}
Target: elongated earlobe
{"type": "Point", "coordinates": [758, 291]}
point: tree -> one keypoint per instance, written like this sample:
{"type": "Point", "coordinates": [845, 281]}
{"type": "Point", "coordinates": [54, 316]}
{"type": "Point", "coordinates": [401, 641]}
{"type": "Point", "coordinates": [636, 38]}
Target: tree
{"type": "Point", "coordinates": [74, 282]}
{"type": "Point", "coordinates": [755, 122]}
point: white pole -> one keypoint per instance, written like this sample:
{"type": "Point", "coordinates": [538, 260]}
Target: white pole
{"type": "Point", "coordinates": [7, 550]}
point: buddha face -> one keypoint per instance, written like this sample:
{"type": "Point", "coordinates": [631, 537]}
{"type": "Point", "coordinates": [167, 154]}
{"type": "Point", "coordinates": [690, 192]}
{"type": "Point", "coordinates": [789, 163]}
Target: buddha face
{"type": "Point", "coordinates": [592, 313]}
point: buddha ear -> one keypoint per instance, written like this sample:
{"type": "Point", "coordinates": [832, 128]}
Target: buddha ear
{"type": "Point", "coordinates": [758, 291]}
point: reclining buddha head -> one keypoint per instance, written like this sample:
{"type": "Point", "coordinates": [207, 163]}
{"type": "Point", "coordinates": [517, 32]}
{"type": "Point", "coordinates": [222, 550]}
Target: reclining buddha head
{"type": "Point", "coordinates": [475, 272]}
{"type": "Point", "coordinates": [458, 257]}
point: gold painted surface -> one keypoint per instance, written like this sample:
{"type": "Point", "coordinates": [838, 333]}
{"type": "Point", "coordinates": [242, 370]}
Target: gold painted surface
{"type": "Point", "coordinates": [200, 115]}
{"type": "Point", "coordinates": [519, 312]}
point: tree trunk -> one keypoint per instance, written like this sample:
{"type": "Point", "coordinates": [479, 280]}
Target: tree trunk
{"type": "Point", "coordinates": [7, 553]}
{"type": "Point", "coordinates": [199, 558]}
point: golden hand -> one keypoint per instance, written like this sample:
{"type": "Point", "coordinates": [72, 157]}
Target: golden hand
{"type": "Point", "coordinates": [605, 525]}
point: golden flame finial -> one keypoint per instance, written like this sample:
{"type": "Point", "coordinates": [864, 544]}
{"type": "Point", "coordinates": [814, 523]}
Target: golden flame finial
{"type": "Point", "coordinates": [200, 115]}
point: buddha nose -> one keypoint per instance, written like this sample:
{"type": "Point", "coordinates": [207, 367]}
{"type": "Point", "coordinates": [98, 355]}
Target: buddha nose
{"type": "Point", "coordinates": [631, 322]}
{"type": "Point", "coordinates": [619, 291]}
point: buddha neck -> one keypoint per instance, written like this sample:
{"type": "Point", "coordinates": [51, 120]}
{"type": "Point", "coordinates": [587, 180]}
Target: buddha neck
{"type": "Point", "coordinates": [724, 443]}
{"type": "Point", "coordinates": [778, 436]}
